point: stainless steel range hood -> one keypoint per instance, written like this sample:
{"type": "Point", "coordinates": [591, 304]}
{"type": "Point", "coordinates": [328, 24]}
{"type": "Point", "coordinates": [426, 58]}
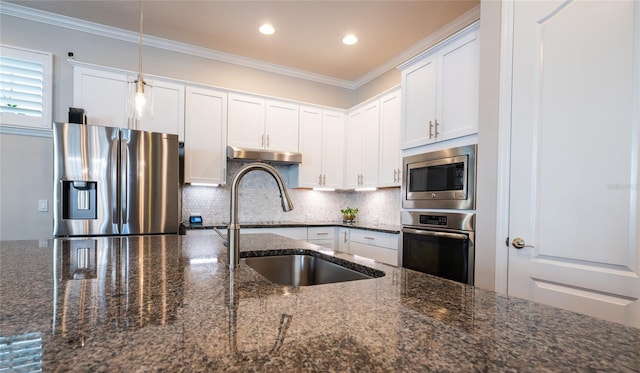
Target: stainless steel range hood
{"type": "Point", "coordinates": [269, 156]}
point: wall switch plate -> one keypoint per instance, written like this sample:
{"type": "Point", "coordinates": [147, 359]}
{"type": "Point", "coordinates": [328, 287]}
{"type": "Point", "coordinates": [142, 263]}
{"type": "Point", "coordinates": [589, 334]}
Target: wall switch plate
{"type": "Point", "coordinates": [43, 205]}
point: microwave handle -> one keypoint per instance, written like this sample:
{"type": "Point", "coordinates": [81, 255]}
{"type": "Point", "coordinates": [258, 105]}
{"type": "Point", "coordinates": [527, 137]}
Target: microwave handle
{"type": "Point", "coordinates": [420, 232]}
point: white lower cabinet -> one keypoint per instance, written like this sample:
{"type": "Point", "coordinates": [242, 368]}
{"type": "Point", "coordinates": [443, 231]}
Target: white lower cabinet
{"type": "Point", "coordinates": [322, 236]}
{"type": "Point", "coordinates": [379, 246]}
{"type": "Point", "coordinates": [343, 239]}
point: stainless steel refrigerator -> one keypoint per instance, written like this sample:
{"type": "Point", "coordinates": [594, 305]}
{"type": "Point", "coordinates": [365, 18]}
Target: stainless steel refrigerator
{"type": "Point", "coordinates": [114, 181]}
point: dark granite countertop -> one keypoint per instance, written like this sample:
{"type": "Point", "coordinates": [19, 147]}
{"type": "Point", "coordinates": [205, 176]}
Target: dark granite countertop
{"type": "Point", "coordinates": [169, 303]}
{"type": "Point", "coordinates": [385, 228]}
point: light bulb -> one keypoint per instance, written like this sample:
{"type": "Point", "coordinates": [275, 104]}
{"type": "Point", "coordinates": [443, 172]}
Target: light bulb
{"type": "Point", "coordinates": [350, 39]}
{"type": "Point", "coordinates": [140, 102]}
{"type": "Point", "coordinates": [267, 29]}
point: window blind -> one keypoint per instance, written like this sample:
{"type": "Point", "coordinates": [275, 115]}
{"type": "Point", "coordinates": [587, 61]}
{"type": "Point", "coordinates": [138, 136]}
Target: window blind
{"type": "Point", "coordinates": [25, 88]}
{"type": "Point", "coordinates": [21, 86]}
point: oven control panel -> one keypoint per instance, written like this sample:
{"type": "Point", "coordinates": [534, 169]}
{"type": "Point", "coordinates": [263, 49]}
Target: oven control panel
{"type": "Point", "coordinates": [462, 221]}
{"type": "Point", "coordinates": [433, 220]}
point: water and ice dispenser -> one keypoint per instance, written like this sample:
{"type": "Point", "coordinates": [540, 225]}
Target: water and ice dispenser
{"type": "Point", "coordinates": [79, 200]}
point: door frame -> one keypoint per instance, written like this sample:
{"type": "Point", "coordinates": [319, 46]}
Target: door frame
{"type": "Point", "coordinates": [504, 148]}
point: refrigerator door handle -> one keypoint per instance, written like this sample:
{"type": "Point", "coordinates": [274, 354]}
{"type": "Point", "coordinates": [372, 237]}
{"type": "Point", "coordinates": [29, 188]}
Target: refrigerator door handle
{"type": "Point", "coordinates": [114, 181]}
{"type": "Point", "coordinates": [124, 175]}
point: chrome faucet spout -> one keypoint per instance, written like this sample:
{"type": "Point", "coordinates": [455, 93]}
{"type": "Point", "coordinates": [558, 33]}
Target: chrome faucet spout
{"type": "Point", "coordinates": [233, 236]}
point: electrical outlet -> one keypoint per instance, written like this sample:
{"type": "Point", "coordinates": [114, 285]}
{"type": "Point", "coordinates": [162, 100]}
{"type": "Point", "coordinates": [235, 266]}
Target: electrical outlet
{"type": "Point", "coordinates": [43, 205]}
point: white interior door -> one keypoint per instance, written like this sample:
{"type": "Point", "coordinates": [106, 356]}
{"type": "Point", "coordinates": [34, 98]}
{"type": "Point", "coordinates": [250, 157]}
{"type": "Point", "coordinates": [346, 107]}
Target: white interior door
{"type": "Point", "coordinates": [574, 156]}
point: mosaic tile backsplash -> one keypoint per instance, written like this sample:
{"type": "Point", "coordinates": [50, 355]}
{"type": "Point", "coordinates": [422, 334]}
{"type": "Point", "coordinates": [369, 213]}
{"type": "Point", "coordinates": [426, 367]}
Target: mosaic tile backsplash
{"type": "Point", "coordinates": [259, 202]}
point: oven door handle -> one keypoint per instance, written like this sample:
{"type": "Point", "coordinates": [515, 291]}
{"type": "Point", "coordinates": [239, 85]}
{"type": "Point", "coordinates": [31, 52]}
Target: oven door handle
{"type": "Point", "coordinates": [455, 236]}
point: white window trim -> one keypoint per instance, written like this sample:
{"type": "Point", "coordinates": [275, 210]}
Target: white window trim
{"type": "Point", "coordinates": [38, 123]}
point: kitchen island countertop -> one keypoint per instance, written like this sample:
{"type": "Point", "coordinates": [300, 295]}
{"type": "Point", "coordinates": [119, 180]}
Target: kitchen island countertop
{"type": "Point", "coordinates": [169, 303]}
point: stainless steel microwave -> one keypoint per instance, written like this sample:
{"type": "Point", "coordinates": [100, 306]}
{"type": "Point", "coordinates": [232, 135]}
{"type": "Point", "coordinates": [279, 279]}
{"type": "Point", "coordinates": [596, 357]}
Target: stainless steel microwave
{"type": "Point", "coordinates": [444, 179]}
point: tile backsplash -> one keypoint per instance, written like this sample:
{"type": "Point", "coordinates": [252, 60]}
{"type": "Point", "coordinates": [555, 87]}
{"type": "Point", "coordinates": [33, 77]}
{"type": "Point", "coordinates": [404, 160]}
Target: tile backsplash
{"type": "Point", "coordinates": [259, 202]}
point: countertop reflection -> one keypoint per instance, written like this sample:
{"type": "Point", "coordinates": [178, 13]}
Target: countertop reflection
{"type": "Point", "coordinates": [150, 303]}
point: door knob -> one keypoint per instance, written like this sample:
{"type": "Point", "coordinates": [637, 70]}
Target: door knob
{"type": "Point", "coordinates": [519, 243]}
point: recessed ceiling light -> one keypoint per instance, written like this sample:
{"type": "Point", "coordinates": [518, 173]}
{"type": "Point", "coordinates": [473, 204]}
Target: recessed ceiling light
{"type": "Point", "coordinates": [350, 39]}
{"type": "Point", "coordinates": [267, 29]}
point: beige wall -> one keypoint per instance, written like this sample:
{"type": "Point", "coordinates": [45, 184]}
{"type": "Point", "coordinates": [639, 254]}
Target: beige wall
{"type": "Point", "coordinates": [26, 176]}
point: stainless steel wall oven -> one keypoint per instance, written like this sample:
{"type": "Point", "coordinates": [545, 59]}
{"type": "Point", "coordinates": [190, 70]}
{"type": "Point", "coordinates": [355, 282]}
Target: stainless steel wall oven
{"type": "Point", "coordinates": [444, 179]}
{"type": "Point", "coordinates": [439, 243]}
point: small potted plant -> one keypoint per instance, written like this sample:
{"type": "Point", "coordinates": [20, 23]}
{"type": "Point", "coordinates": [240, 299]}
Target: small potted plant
{"type": "Point", "coordinates": [349, 215]}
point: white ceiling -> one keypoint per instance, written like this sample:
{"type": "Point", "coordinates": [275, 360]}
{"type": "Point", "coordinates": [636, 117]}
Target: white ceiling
{"type": "Point", "coordinates": [308, 33]}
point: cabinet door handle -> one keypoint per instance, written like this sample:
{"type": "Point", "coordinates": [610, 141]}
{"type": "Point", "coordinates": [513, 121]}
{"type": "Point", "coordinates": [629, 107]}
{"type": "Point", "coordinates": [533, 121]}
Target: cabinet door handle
{"type": "Point", "coordinates": [268, 138]}
{"type": "Point", "coordinates": [322, 233]}
{"type": "Point", "coordinates": [324, 180]}
{"type": "Point", "coordinates": [430, 129]}
{"type": "Point", "coordinates": [399, 175]}
{"type": "Point", "coordinates": [345, 236]}
{"type": "Point", "coordinates": [395, 175]}
{"type": "Point", "coordinates": [319, 179]}
{"type": "Point", "coordinates": [437, 133]}
{"type": "Point", "coordinates": [262, 141]}
{"type": "Point", "coordinates": [368, 238]}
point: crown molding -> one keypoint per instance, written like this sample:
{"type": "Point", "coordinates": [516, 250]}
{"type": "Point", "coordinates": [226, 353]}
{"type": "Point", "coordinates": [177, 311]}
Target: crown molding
{"type": "Point", "coordinates": [459, 23]}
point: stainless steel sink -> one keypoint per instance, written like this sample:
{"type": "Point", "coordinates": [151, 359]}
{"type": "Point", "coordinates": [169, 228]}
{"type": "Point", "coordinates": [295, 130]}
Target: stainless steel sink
{"type": "Point", "coordinates": [302, 270]}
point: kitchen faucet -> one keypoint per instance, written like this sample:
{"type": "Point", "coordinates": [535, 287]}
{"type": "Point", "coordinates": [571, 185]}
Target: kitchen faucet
{"type": "Point", "coordinates": [233, 236]}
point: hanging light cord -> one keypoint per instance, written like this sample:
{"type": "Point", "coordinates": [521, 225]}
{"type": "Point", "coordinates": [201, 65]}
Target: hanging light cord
{"type": "Point", "coordinates": [140, 45]}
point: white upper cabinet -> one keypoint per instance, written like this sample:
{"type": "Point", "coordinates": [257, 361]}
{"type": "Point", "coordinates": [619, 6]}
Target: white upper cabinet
{"type": "Point", "coordinates": [168, 109]}
{"type": "Point", "coordinates": [321, 145]}
{"type": "Point", "coordinates": [353, 149]}
{"type": "Point", "coordinates": [310, 170]}
{"type": "Point", "coordinates": [281, 126]}
{"type": "Point", "coordinates": [246, 121]}
{"type": "Point", "coordinates": [361, 147]}
{"type": "Point", "coordinates": [103, 96]}
{"type": "Point", "coordinates": [370, 146]}
{"type": "Point", "coordinates": [440, 91]}
{"type": "Point", "coordinates": [390, 161]}
{"type": "Point", "coordinates": [258, 123]}
{"type": "Point", "coordinates": [419, 103]}
{"type": "Point", "coordinates": [332, 149]}
{"type": "Point", "coordinates": [205, 136]}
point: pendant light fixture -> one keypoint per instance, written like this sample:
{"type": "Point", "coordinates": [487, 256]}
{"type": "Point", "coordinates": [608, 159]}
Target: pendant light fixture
{"type": "Point", "coordinates": [140, 100]}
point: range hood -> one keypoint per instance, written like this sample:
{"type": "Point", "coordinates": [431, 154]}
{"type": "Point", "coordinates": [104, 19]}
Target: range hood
{"type": "Point", "coordinates": [262, 155]}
